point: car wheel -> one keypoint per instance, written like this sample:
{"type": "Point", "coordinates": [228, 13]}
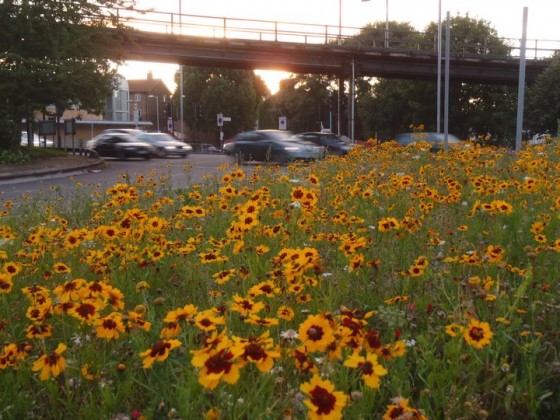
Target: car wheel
{"type": "Point", "coordinates": [161, 153]}
{"type": "Point", "coordinates": [121, 155]}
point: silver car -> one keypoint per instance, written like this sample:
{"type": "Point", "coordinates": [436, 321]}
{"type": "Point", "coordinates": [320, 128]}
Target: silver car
{"type": "Point", "coordinates": [166, 144]}
{"type": "Point", "coordinates": [273, 146]}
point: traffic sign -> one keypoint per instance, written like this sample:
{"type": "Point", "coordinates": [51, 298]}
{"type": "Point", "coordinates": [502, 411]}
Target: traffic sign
{"type": "Point", "coordinates": [282, 122]}
{"type": "Point", "coordinates": [220, 119]}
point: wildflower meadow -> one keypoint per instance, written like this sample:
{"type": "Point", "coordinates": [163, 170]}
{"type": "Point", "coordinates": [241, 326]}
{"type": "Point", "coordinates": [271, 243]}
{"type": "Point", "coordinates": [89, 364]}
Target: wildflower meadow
{"type": "Point", "coordinates": [391, 283]}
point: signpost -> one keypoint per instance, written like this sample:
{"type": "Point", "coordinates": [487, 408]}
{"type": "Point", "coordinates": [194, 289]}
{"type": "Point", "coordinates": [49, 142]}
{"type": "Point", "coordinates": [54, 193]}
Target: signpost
{"type": "Point", "coordinates": [282, 123]}
{"type": "Point", "coordinates": [220, 119]}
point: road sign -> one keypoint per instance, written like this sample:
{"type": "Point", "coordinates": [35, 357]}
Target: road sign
{"type": "Point", "coordinates": [220, 119]}
{"type": "Point", "coordinates": [282, 122]}
{"type": "Point", "coordinates": [226, 119]}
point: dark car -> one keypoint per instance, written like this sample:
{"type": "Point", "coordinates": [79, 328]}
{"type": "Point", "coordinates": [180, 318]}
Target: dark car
{"type": "Point", "coordinates": [334, 144]}
{"type": "Point", "coordinates": [274, 146]}
{"type": "Point", "coordinates": [165, 144]}
{"type": "Point", "coordinates": [121, 146]}
{"type": "Point", "coordinates": [436, 140]}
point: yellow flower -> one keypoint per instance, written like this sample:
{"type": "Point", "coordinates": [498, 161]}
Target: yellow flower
{"type": "Point", "coordinates": [158, 351]}
{"type": "Point", "coordinates": [110, 326]}
{"type": "Point", "coordinates": [221, 364]}
{"type": "Point", "coordinates": [52, 364]}
{"type": "Point", "coordinates": [316, 333]}
{"type": "Point", "coordinates": [478, 334]}
{"type": "Point", "coordinates": [323, 402]}
{"type": "Point", "coordinates": [369, 367]}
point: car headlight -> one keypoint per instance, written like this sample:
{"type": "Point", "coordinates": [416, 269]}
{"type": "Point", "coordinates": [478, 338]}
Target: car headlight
{"type": "Point", "coordinates": [291, 148]}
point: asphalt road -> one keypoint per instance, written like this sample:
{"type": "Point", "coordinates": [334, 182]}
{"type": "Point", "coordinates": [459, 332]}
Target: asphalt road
{"type": "Point", "coordinates": [174, 170]}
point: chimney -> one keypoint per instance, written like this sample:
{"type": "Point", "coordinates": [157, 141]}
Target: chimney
{"type": "Point", "coordinates": [150, 75]}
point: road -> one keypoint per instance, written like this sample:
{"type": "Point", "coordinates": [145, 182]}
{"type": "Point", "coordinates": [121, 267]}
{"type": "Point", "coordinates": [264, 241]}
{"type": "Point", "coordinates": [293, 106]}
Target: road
{"type": "Point", "coordinates": [173, 169]}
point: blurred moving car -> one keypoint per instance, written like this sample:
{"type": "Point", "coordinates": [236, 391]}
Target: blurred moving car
{"type": "Point", "coordinates": [437, 140]}
{"type": "Point", "coordinates": [273, 146]}
{"type": "Point", "coordinates": [37, 141]}
{"type": "Point", "coordinates": [121, 146]}
{"type": "Point", "coordinates": [165, 144]}
{"type": "Point", "coordinates": [334, 144]}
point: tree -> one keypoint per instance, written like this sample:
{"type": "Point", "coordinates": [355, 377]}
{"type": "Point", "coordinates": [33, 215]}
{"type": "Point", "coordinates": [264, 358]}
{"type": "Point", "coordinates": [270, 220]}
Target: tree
{"type": "Point", "coordinates": [234, 93]}
{"type": "Point", "coordinates": [303, 99]}
{"type": "Point", "coordinates": [393, 105]}
{"type": "Point", "coordinates": [54, 52]}
{"type": "Point", "coordinates": [542, 107]}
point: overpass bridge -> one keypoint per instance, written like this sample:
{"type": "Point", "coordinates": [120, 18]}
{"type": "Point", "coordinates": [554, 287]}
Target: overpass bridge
{"type": "Point", "coordinates": [320, 49]}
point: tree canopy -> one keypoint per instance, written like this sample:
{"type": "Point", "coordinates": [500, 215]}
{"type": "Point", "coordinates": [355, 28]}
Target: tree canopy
{"type": "Point", "coordinates": [234, 93]}
{"type": "Point", "coordinates": [542, 107]}
{"type": "Point", "coordinates": [52, 52]}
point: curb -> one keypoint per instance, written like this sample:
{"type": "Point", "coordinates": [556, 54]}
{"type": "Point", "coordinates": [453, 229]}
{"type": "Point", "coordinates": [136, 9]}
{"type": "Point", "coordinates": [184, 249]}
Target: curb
{"type": "Point", "coordinates": [97, 163]}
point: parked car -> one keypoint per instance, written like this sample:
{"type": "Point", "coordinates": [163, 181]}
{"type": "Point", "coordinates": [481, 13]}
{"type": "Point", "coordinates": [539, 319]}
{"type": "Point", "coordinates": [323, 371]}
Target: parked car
{"type": "Point", "coordinates": [334, 144]}
{"type": "Point", "coordinates": [437, 140]}
{"type": "Point", "coordinates": [121, 146]}
{"type": "Point", "coordinates": [37, 141]}
{"type": "Point", "coordinates": [274, 146]}
{"type": "Point", "coordinates": [165, 144]}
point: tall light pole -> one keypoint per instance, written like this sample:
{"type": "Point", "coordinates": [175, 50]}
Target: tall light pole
{"type": "Point", "coordinates": [438, 117]}
{"type": "Point", "coordinates": [157, 109]}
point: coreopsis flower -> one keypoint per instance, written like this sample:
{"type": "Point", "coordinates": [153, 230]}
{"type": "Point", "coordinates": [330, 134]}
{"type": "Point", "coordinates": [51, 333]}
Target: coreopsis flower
{"type": "Point", "coordinates": [171, 330]}
{"type": "Point", "coordinates": [285, 312]}
{"type": "Point", "coordinates": [323, 402]}
{"type": "Point", "coordinates": [316, 333]}
{"type": "Point", "coordinates": [135, 320]}
{"type": "Point", "coordinates": [390, 351]}
{"type": "Point", "coordinates": [208, 320]}
{"type": "Point", "coordinates": [388, 223]}
{"type": "Point", "coordinates": [52, 364]}
{"type": "Point", "coordinates": [6, 283]}
{"type": "Point", "coordinates": [478, 334]}
{"type": "Point", "coordinates": [69, 291]}
{"type": "Point", "coordinates": [245, 306]}
{"type": "Point", "coordinates": [369, 367]}
{"type": "Point", "coordinates": [454, 329]}
{"type": "Point", "coordinates": [39, 331]}
{"type": "Point", "coordinates": [264, 322]}
{"type": "Point", "coordinates": [61, 268]}
{"type": "Point", "coordinates": [86, 311]}
{"type": "Point", "coordinates": [224, 276]}
{"type": "Point", "coordinates": [400, 410]}
{"type": "Point", "coordinates": [159, 351]}
{"type": "Point", "coordinates": [267, 288]}
{"type": "Point", "coordinates": [11, 268]}
{"type": "Point", "coordinates": [110, 326]}
{"type": "Point", "coordinates": [258, 350]}
{"type": "Point", "coordinates": [185, 314]}
{"type": "Point", "coordinates": [216, 365]}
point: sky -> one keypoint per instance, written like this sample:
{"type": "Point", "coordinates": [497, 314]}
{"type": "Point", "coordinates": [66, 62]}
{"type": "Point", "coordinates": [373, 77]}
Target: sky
{"type": "Point", "coordinates": [506, 16]}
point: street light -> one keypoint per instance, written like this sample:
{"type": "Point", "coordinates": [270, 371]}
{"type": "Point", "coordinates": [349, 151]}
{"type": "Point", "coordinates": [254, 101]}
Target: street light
{"type": "Point", "coordinates": [157, 109]}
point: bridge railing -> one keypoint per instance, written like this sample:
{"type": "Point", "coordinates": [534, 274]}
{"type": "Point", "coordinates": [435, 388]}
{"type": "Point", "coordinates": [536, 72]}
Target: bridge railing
{"type": "Point", "coordinates": [309, 33]}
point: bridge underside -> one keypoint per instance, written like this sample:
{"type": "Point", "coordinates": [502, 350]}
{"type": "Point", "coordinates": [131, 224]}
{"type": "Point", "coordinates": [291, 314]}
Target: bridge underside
{"type": "Point", "coordinates": [330, 59]}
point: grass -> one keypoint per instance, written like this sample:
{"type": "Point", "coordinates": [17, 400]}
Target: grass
{"type": "Point", "coordinates": [391, 281]}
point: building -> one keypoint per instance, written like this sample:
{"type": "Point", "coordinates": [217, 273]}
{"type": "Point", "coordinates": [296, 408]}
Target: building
{"type": "Point", "coordinates": [148, 101]}
{"type": "Point", "coordinates": [138, 104]}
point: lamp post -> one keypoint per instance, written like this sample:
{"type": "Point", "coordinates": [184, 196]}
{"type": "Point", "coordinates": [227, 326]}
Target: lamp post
{"type": "Point", "coordinates": [157, 109]}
